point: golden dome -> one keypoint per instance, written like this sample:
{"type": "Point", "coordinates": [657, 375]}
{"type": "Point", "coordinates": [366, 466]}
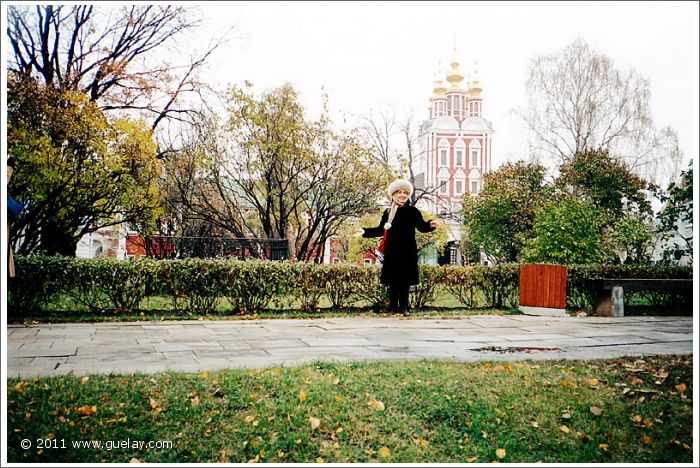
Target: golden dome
{"type": "Point", "coordinates": [439, 88]}
{"type": "Point", "coordinates": [475, 87]}
{"type": "Point", "coordinates": [455, 76]}
{"type": "Point", "coordinates": [438, 85]}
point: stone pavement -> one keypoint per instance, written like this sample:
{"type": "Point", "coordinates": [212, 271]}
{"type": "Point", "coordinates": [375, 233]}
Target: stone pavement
{"type": "Point", "coordinates": [191, 346]}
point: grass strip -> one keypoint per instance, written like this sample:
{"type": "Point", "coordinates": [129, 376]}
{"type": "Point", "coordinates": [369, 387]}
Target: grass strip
{"type": "Point", "coordinates": [631, 410]}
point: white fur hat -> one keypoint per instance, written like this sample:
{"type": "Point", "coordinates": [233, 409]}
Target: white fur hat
{"type": "Point", "coordinates": [400, 184]}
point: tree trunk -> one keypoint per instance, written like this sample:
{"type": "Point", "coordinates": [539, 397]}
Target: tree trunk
{"type": "Point", "coordinates": [54, 241]}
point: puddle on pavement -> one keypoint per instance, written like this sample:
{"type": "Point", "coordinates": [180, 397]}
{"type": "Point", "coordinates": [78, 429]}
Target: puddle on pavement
{"type": "Point", "coordinates": [514, 349]}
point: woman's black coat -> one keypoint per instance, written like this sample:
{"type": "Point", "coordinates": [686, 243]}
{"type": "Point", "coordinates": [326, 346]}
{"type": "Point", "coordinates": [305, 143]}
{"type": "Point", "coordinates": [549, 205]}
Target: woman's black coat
{"type": "Point", "coordinates": [400, 251]}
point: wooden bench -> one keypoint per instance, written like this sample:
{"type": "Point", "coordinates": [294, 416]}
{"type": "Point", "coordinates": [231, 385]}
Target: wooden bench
{"type": "Point", "coordinates": [609, 294]}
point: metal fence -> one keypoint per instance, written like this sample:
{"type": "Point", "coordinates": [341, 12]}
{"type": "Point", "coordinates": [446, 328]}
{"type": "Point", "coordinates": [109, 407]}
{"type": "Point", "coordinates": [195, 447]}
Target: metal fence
{"type": "Point", "coordinates": [164, 247]}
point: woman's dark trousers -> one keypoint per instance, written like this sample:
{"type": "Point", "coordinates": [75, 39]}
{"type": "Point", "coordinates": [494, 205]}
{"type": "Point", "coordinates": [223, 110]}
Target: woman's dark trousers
{"type": "Point", "coordinates": [398, 298]}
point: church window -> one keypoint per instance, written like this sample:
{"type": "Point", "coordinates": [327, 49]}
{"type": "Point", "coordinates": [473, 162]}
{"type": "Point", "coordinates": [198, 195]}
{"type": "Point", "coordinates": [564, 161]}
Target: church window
{"type": "Point", "coordinates": [459, 187]}
{"type": "Point", "coordinates": [475, 158]}
{"type": "Point", "coordinates": [459, 158]}
{"type": "Point", "coordinates": [442, 183]}
{"type": "Point", "coordinates": [443, 158]}
{"type": "Point", "coordinates": [475, 187]}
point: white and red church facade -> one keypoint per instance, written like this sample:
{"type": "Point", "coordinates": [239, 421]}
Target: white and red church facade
{"type": "Point", "coordinates": [456, 145]}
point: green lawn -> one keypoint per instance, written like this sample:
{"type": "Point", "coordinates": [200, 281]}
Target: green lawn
{"type": "Point", "coordinates": [623, 410]}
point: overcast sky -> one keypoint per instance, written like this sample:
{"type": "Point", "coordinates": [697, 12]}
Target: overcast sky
{"type": "Point", "coordinates": [372, 55]}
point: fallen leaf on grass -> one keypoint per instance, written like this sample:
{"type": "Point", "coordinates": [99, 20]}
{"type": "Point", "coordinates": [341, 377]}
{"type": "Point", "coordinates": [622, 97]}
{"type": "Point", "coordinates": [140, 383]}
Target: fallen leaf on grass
{"type": "Point", "coordinates": [595, 410]}
{"type": "Point", "coordinates": [302, 395]}
{"type": "Point", "coordinates": [564, 429]}
{"type": "Point", "coordinates": [315, 422]}
{"type": "Point", "coordinates": [593, 382]}
{"type": "Point", "coordinates": [420, 441]}
{"type": "Point", "coordinates": [568, 384]}
{"type": "Point", "coordinates": [377, 405]}
{"type": "Point", "coordinates": [87, 410]}
{"type": "Point", "coordinates": [320, 460]}
{"type": "Point", "coordinates": [634, 380]}
{"type": "Point", "coordinates": [501, 453]}
{"type": "Point", "coordinates": [384, 452]}
{"type": "Point", "coordinates": [646, 439]}
{"type": "Point", "coordinates": [681, 388]}
{"type": "Point", "coordinates": [155, 406]}
{"type": "Point", "coordinates": [603, 447]}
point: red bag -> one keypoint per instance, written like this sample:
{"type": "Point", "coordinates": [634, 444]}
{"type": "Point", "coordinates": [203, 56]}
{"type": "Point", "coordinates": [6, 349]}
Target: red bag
{"type": "Point", "coordinates": [381, 243]}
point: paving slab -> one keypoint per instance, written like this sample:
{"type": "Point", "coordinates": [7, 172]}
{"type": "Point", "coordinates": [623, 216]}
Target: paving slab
{"type": "Point", "coordinates": [193, 346]}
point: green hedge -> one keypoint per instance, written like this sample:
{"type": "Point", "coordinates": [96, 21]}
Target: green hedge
{"type": "Point", "coordinates": [200, 285]}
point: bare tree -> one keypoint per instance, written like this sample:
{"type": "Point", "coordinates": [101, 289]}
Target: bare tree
{"type": "Point", "coordinates": [396, 144]}
{"type": "Point", "coordinates": [578, 101]}
{"type": "Point", "coordinates": [344, 186]}
{"type": "Point", "coordinates": [379, 129]}
{"type": "Point", "coordinates": [192, 191]}
{"type": "Point", "coordinates": [112, 55]}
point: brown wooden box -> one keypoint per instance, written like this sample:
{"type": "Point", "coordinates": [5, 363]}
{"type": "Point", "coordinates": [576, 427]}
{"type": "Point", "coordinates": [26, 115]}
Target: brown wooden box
{"type": "Point", "coordinates": [543, 285]}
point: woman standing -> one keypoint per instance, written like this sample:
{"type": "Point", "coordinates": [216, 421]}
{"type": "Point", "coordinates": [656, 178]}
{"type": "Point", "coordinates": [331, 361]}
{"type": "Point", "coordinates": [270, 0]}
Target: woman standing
{"type": "Point", "coordinates": [400, 268]}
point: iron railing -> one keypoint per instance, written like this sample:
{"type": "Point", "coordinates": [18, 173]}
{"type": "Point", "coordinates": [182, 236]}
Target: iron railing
{"type": "Point", "coordinates": [166, 247]}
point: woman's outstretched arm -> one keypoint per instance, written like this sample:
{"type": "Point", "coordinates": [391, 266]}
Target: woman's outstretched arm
{"type": "Point", "coordinates": [379, 230]}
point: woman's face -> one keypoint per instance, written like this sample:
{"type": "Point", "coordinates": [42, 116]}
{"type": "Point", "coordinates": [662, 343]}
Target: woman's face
{"type": "Point", "coordinates": [400, 196]}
